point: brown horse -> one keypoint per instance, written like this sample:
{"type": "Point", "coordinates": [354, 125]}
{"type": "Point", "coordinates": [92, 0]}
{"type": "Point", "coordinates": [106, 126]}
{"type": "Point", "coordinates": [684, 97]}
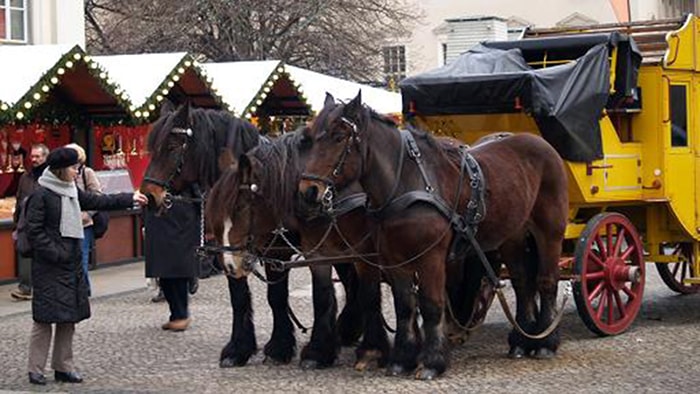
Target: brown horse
{"type": "Point", "coordinates": [259, 196]}
{"type": "Point", "coordinates": [418, 188]}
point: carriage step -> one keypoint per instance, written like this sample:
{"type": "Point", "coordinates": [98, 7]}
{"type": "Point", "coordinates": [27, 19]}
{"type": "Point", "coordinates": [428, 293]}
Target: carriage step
{"type": "Point", "coordinates": [691, 281]}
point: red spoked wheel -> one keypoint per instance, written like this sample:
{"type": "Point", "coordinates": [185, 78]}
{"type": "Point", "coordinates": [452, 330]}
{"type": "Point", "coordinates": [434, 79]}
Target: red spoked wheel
{"type": "Point", "coordinates": [673, 274]}
{"type": "Point", "coordinates": [609, 262]}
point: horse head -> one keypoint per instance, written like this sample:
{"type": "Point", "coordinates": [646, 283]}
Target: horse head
{"type": "Point", "coordinates": [170, 143]}
{"type": "Point", "coordinates": [335, 158]}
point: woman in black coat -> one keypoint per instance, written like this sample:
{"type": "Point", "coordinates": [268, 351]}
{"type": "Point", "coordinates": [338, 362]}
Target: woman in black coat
{"type": "Point", "coordinates": [170, 243]}
{"type": "Point", "coordinates": [60, 290]}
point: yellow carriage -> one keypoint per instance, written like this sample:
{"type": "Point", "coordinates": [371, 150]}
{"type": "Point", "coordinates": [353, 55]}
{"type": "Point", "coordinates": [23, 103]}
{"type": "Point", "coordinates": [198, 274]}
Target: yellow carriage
{"type": "Point", "coordinates": [623, 115]}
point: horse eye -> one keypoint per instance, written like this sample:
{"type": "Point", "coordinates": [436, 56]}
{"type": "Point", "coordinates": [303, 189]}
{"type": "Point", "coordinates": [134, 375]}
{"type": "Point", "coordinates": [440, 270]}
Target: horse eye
{"type": "Point", "coordinates": [305, 142]}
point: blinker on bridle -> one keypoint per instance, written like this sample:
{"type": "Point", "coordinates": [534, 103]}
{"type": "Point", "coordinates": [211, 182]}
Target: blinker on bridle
{"type": "Point", "coordinates": [352, 139]}
{"type": "Point", "coordinates": [167, 184]}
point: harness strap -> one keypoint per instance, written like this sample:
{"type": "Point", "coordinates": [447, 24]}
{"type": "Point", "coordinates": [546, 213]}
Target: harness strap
{"type": "Point", "coordinates": [349, 203]}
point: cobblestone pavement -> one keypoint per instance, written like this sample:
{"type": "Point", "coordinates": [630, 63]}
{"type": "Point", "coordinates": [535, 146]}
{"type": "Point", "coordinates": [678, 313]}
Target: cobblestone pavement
{"type": "Point", "coordinates": [123, 349]}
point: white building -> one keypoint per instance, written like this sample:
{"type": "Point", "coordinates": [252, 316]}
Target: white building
{"type": "Point", "coordinates": [40, 22]}
{"type": "Point", "coordinates": [451, 27]}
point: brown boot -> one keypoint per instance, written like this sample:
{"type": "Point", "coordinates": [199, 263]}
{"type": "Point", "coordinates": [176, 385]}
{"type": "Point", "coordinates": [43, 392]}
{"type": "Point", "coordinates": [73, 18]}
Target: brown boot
{"type": "Point", "coordinates": [177, 325]}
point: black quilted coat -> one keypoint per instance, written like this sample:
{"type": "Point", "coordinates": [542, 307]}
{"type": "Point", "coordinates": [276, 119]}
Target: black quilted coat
{"type": "Point", "coordinates": [60, 293]}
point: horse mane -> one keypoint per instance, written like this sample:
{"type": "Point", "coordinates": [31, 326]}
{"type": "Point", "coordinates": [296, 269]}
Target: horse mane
{"type": "Point", "coordinates": [213, 132]}
{"type": "Point", "coordinates": [279, 172]}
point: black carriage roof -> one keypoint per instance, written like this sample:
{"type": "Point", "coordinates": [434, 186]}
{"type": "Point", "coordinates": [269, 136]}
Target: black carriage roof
{"type": "Point", "coordinates": [563, 82]}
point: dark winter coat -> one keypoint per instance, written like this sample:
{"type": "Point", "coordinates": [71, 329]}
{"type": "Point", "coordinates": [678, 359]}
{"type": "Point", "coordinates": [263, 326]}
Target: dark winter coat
{"type": "Point", "coordinates": [171, 241]}
{"type": "Point", "coordinates": [28, 182]}
{"type": "Point", "coordinates": [60, 292]}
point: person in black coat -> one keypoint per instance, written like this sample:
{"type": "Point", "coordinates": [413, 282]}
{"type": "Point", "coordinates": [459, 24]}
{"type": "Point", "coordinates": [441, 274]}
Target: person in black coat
{"type": "Point", "coordinates": [55, 232]}
{"type": "Point", "coordinates": [170, 244]}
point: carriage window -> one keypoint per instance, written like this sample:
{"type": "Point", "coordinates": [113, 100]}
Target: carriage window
{"type": "Point", "coordinates": [679, 115]}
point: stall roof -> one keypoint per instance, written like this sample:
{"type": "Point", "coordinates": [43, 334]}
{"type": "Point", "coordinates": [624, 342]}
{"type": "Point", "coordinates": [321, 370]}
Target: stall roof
{"type": "Point", "coordinates": [315, 86]}
{"type": "Point", "coordinates": [58, 74]}
{"type": "Point", "coordinates": [149, 77]}
{"type": "Point", "coordinates": [21, 66]}
{"type": "Point", "coordinates": [240, 82]}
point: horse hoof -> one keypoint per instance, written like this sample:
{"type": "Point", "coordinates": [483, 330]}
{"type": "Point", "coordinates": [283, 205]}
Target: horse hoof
{"type": "Point", "coordinates": [426, 374]}
{"type": "Point", "coordinates": [516, 352]}
{"type": "Point", "coordinates": [230, 363]}
{"type": "Point", "coordinates": [273, 361]}
{"type": "Point", "coordinates": [395, 370]}
{"type": "Point", "coordinates": [544, 354]}
{"type": "Point", "coordinates": [308, 364]}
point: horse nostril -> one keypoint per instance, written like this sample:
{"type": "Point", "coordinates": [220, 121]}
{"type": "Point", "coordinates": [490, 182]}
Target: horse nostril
{"type": "Point", "coordinates": [311, 194]}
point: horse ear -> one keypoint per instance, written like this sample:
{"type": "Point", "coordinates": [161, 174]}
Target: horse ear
{"type": "Point", "coordinates": [167, 107]}
{"type": "Point", "coordinates": [182, 116]}
{"type": "Point", "coordinates": [330, 100]}
{"type": "Point", "coordinates": [354, 106]}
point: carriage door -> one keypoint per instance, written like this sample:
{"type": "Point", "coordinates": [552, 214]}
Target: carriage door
{"type": "Point", "coordinates": [680, 159]}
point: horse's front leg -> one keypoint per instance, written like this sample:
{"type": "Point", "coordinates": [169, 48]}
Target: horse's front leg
{"type": "Point", "coordinates": [350, 320]}
{"type": "Point", "coordinates": [282, 345]}
{"type": "Point", "coordinates": [403, 358]}
{"type": "Point", "coordinates": [374, 348]}
{"type": "Point", "coordinates": [242, 344]}
{"type": "Point", "coordinates": [431, 295]}
{"type": "Point", "coordinates": [322, 349]}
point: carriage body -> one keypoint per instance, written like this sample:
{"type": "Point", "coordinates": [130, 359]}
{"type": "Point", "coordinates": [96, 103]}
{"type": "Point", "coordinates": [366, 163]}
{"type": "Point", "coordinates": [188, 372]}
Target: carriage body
{"type": "Point", "coordinates": [642, 187]}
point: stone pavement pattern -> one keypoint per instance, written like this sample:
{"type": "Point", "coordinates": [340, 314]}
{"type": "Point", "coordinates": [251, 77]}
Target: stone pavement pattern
{"type": "Point", "coordinates": [122, 349]}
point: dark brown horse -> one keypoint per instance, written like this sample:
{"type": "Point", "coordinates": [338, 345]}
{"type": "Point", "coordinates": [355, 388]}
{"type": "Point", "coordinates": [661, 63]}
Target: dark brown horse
{"type": "Point", "coordinates": [259, 196]}
{"type": "Point", "coordinates": [419, 190]}
{"type": "Point", "coordinates": [193, 146]}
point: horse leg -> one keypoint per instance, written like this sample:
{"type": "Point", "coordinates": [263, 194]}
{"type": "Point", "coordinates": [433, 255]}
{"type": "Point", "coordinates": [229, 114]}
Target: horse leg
{"type": "Point", "coordinates": [281, 347]}
{"type": "Point", "coordinates": [350, 319]}
{"type": "Point", "coordinates": [322, 349]}
{"type": "Point", "coordinates": [431, 294]}
{"type": "Point", "coordinates": [403, 358]}
{"type": "Point", "coordinates": [547, 286]}
{"type": "Point", "coordinates": [242, 344]}
{"type": "Point", "coordinates": [522, 273]}
{"type": "Point", "coordinates": [374, 348]}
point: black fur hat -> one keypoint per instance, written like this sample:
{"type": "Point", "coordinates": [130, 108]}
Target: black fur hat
{"type": "Point", "coordinates": [62, 158]}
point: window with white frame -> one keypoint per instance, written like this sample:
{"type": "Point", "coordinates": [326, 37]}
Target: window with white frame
{"type": "Point", "coordinates": [394, 63]}
{"type": "Point", "coordinates": [13, 20]}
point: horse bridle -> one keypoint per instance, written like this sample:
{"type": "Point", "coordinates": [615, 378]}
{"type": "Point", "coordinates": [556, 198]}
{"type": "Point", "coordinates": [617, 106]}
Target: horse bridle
{"type": "Point", "coordinates": [353, 139]}
{"type": "Point", "coordinates": [167, 185]}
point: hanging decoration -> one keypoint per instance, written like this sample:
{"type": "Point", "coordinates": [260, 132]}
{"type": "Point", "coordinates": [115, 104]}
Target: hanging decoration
{"type": "Point", "coordinates": [122, 147]}
{"type": "Point", "coordinates": [147, 113]}
{"type": "Point", "coordinates": [251, 109]}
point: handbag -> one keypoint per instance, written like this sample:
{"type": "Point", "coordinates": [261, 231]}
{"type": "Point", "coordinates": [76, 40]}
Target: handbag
{"type": "Point", "coordinates": [100, 223]}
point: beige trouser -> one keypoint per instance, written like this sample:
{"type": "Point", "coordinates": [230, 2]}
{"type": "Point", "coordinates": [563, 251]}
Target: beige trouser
{"type": "Point", "coordinates": [40, 341]}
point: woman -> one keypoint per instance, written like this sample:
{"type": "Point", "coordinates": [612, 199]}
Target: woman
{"type": "Point", "coordinates": [86, 181]}
{"type": "Point", "coordinates": [55, 232]}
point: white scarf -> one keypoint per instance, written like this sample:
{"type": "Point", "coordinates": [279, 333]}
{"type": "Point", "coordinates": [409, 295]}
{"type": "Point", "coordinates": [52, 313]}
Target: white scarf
{"type": "Point", "coordinates": [71, 221]}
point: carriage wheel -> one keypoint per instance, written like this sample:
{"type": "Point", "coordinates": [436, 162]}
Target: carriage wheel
{"type": "Point", "coordinates": [609, 262]}
{"type": "Point", "coordinates": [673, 273]}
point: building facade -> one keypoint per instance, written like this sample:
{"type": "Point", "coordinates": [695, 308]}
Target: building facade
{"type": "Point", "coordinates": [452, 27]}
{"type": "Point", "coordinates": [39, 22]}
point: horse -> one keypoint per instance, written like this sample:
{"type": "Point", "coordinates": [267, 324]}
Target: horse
{"type": "Point", "coordinates": [194, 146]}
{"type": "Point", "coordinates": [259, 195]}
{"type": "Point", "coordinates": [427, 212]}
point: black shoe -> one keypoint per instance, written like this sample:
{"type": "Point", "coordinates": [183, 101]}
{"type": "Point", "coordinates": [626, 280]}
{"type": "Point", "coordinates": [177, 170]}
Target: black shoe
{"type": "Point", "coordinates": [193, 285]}
{"type": "Point", "coordinates": [160, 297]}
{"type": "Point", "coordinates": [37, 378]}
{"type": "Point", "coordinates": [69, 377]}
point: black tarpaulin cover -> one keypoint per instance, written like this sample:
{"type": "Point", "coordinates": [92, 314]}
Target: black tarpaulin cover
{"type": "Point", "coordinates": [566, 101]}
